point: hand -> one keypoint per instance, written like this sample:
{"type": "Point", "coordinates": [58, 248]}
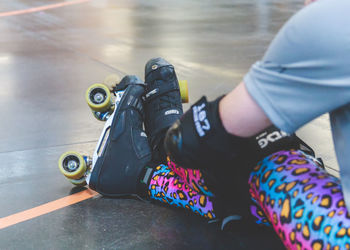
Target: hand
{"type": "Point", "coordinates": [198, 139]}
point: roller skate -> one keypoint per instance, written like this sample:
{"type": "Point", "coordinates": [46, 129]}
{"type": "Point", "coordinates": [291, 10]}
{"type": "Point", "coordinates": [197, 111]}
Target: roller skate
{"type": "Point", "coordinates": [122, 151]}
{"type": "Point", "coordinates": [163, 102]}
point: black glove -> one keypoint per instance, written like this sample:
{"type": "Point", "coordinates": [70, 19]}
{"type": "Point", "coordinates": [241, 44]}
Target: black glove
{"type": "Point", "coordinates": [199, 140]}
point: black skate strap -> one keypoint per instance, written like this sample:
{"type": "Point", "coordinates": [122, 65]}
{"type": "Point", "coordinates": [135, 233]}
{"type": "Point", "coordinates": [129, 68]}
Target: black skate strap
{"type": "Point", "coordinates": [135, 103]}
{"type": "Point", "coordinates": [160, 88]}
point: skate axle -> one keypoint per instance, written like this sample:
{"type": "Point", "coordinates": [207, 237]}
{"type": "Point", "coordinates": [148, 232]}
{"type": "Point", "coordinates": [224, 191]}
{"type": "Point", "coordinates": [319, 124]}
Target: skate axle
{"type": "Point", "coordinates": [102, 116]}
{"type": "Point", "coordinates": [88, 160]}
{"type": "Point", "coordinates": [98, 97]}
{"type": "Point", "coordinates": [70, 163]}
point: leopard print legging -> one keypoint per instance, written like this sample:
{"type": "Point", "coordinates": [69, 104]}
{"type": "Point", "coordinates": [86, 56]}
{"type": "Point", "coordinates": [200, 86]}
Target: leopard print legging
{"type": "Point", "coordinates": [291, 193]}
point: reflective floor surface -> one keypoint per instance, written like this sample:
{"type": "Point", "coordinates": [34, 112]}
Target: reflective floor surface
{"type": "Point", "coordinates": [49, 56]}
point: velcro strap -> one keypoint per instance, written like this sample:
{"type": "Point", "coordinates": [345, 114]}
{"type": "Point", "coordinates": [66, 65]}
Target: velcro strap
{"type": "Point", "coordinates": [272, 140]}
{"type": "Point", "coordinates": [136, 103]}
{"type": "Point", "coordinates": [160, 87]}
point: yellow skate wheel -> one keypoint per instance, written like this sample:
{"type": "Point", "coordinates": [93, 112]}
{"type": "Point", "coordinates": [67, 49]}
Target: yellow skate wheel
{"type": "Point", "coordinates": [81, 182]}
{"type": "Point", "coordinates": [72, 165]}
{"type": "Point", "coordinates": [111, 80]}
{"type": "Point", "coordinates": [184, 90]}
{"type": "Point", "coordinates": [98, 97]}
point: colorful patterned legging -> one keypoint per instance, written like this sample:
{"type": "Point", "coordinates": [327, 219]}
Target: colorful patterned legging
{"type": "Point", "coordinates": [182, 188]}
{"type": "Point", "coordinates": [292, 193]}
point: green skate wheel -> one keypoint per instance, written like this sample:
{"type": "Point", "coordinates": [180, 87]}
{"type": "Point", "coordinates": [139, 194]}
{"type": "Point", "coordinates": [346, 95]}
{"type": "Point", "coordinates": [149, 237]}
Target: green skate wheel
{"type": "Point", "coordinates": [184, 90]}
{"type": "Point", "coordinates": [98, 97]}
{"type": "Point", "coordinates": [80, 182]}
{"type": "Point", "coordinates": [72, 165]}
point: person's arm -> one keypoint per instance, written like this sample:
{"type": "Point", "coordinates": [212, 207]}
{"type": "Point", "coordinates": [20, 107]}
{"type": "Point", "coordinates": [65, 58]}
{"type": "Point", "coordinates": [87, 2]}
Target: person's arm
{"type": "Point", "coordinates": [240, 114]}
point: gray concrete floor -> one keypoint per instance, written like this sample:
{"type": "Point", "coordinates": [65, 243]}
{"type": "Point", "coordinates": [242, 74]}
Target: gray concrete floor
{"type": "Point", "coordinates": [49, 58]}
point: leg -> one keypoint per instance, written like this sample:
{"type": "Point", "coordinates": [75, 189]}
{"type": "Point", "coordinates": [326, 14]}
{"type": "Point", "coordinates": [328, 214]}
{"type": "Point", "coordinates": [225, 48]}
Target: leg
{"type": "Point", "coordinates": [304, 204]}
{"type": "Point", "coordinates": [191, 177]}
{"type": "Point", "coordinates": [170, 184]}
{"type": "Point", "coordinates": [303, 74]}
{"type": "Point", "coordinates": [312, 80]}
{"type": "Point", "coordinates": [186, 190]}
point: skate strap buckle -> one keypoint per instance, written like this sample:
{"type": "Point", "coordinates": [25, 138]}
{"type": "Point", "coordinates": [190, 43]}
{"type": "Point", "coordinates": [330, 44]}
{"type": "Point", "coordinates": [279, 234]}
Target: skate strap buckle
{"type": "Point", "coordinates": [148, 174]}
{"type": "Point", "coordinates": [135, 103]}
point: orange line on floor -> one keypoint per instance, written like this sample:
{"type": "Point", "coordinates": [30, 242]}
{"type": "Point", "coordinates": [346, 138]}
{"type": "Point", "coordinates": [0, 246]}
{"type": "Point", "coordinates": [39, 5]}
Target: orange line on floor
{"type": "Point", "coordinates": [41, 8]}
{"type": "Point", "coordinates": [46, 208]}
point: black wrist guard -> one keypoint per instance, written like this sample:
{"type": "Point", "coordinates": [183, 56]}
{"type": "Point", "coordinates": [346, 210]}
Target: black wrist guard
{"type": "Point", "coordinates": [270, 141]}
{"type": "Point", "coordinates": [199, 140]}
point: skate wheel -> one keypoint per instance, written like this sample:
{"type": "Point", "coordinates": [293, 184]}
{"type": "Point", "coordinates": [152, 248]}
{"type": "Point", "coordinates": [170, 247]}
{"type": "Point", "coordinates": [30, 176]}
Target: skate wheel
{"type": "Point", "coordinates": [111, 80]}
{"type": "Point", "coordinates": [98, 97]}
{"type": "Point", "coordinates": [72, 165]}
{"type": "Point", "coordinates": [184, 90]}
{"type": "Point", "coordinates": [80, 182]}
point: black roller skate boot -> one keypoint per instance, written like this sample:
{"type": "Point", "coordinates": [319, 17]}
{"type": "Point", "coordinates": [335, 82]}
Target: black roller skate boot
{"type": "Point", "coordinates": [121, 162]}
{"type": "Point", "coordinates": [162, 102]}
